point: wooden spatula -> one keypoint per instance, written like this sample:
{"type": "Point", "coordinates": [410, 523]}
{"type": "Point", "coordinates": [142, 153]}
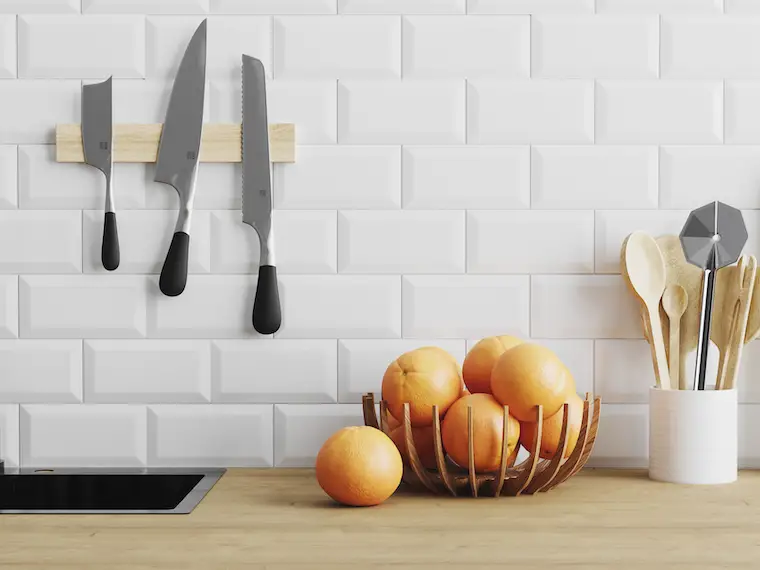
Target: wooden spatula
{"type": "Point", "coordinates": [724, 331]}
{"type": "Point", "coordinates": [746, 292]}
{"type": "Point", "coordinates": [644, 269]}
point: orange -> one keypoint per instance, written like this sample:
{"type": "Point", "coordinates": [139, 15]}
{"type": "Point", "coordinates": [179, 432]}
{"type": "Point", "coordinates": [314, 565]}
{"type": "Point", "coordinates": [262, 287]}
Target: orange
{"type": "Point", "coordinates": [488, 435]}
{"type": "Point", "coordinates": [481, 359]}
{"type": "Point", "coordinates": [552, 429]}
{"type": "Point", "coordinates": [423, 377]}
{"type": "Point", "coordinates": [423, 443]}
{"type": "Point", "coordinates": [530, 375]}
{"type": "Point", "coordinates": [464, 392]}
{"type": "Point", "coordinates": [359, 466]}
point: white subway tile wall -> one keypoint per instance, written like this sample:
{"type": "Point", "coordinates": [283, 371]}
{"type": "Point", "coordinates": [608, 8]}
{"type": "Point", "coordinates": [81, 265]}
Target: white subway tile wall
{"type": "Point", "coordinates": [464, 168]}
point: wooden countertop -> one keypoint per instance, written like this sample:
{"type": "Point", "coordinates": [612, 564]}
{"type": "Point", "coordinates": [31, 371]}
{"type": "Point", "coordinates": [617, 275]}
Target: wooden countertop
{"type": "Point", "coordinates": [280, 520]}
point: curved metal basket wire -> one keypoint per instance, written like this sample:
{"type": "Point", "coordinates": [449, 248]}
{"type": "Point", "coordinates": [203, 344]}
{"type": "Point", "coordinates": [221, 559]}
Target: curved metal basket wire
{"type": "Point", "coordinates": [531, 476]}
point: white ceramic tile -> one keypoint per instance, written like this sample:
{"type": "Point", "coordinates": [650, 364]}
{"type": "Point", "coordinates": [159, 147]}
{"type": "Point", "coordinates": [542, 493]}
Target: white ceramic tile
{"type": "Point", "coordinates": [211, 306]}
{"type": "Point", "coordinates": [31, 109]}
{"type": "Point", "coordinates": [305, 242]}
{"type": "Point", "coordinates": [147, 371]}
{"type": "Point", "coordinates": [144, 238]}
{"type": "Point", "coordinates": [530, 112]}
{"type": "Point", "coordinates": [742, 115]}
{"type": "Point", "coordinates": [145, 101]}
{"type": "Point", "coordinates": [741, 6]}
{"type": "Point", "coordinates": [462, 177]}
{"type": "Point", "coordinates": [595, 46]}
{"type": "Point", "coordinates": [44, 371]}
{"type": "Point", "coordinates": [465, 306]}
{"type": "Point", "coordinates": [95, 306]}
{"type": "Point", "coordinates": [659, 112]}
{"type": "Point", "coordinates": [44, 184]}
{"type": "Point", "coordinates": [623, 371]}
{"type": "Point", "coordinates": [335, 177]}
{"type": "Point", "coordinates": [62, 47]}
{"type": "Point", "coordinates": [362, 362]}
{"type": "Point", "coordinates": [583, 306]}
{"type": "Point", "coordinates": [210, 436]}
{"type": "Point", "coordinates": [336, 306]}
{"type": "Point", "coordinates": [623, 437]}
{"type": "Point", "coordinates": [466, 46]}
{"type": "Point", "coordinates": [594, 177]}
{"type": "Point", "coordinates": [228, 37]}
{"type": "Point", "coordinates": [145, 6]}
{"type": "Point", "coordinates": [691, 176]}
{"type": "Point", "coordinates": [402, 6]}
{"type": "Point", "coordinates": [219, 187]}
{"type": "Point", "coordinates": [711, 47]}
{"type": "Point", "coordinates": [40, 6]}
{"type": "Point", "coordinates": [8, 176]}
{"type": "Point", "coordinates": [749, 424]}
{"type": "Point", "coordinates": [273, 6]}
{"type": "Point", "coordinates": [541, 242]}
{"type": "Point", "coordinates": [350, 47]}
{"type": "Point", "coordinates": [9, 435]}
{"type": "Point", "coordinates": [613, 226]}
{"type": "Point", "coordinates": [269, 371]}
{"type": "Point", "coordinates": [530, 6]}
{"type": "Point", "coordinates": [8, 306]}
{"type": "Point", "coordinates": [40, 241]}
{"type": "Point", "coordinates": [401, 112]}
{"type": "Point", "coordinates": [401, 242]}
{"type": "Point", "coordinates": [310, 105]}
{"type": "Point", "coordinates": [8, 53]}
{"type": "Point", "coordinates": [300, 430]}
{"type": "Point", "coordinates": [70, 435]}
{"type": "Point", "coordinates": [665, 7]}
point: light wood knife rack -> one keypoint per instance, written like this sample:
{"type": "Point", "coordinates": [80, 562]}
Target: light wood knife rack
{"type": "Point", "coordinates": [139, 143]}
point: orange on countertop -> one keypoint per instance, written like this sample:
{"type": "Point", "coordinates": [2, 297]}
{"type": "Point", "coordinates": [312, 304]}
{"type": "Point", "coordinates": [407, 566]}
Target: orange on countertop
{"type": "Point", "coordinates": [359, 466]}
{"type": "Point", "coordinates": [552, 430]}
{"type": "Point", "coordinates": [530, 375]}
{"type": "Point", "coordinates": [488, 435]}
{"type": "Point", "coordinates": [423, 377]}
{"type": "Point", "coordinates": [481, 359]}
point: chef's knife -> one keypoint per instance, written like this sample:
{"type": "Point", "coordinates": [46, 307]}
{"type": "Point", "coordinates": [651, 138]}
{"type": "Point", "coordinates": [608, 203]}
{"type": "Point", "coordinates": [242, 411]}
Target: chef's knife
{"type": "Point", "coordinates": [257, 193]}
{"type": "Point", "coordinates": [178, 151]}
{"type": "Point", "coordinates": [97, 142]}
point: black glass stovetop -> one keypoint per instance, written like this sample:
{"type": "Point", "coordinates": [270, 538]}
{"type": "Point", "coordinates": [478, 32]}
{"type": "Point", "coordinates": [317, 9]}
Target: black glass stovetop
{"type": "Point", "coordinates": [101, 491]}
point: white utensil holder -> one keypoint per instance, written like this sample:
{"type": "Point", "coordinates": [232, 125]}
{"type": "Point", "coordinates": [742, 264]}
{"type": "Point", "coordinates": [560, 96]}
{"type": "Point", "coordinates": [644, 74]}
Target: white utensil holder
{"type": "Point", "coordinates": [693, 436]}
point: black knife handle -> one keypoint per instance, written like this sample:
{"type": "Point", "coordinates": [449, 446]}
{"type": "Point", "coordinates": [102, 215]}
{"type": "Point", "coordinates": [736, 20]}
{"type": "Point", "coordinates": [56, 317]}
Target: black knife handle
{"type": "Point", "coordinates": [174, 272]}
{"type": "Point", "coordinates": [109, 252]}
{"type": "Point", "coordinates": [266, 305]}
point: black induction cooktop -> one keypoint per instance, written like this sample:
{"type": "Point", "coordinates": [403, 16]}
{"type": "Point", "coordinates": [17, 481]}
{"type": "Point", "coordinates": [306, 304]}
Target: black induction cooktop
{"type": "Point", "coordinates": [122, 491]}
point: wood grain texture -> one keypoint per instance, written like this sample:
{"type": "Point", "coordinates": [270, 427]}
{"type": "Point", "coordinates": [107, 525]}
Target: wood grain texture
{"type": "Point", "coordinates": [139, 143]}
{"type": "Point", "coordinates": [280, 520]}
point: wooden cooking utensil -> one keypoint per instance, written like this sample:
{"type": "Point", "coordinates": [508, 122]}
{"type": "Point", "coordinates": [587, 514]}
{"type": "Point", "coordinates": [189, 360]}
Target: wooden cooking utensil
{"type": "Point", "coordinates": [680, 272]}
{"type": "Point", "coordinates": [728, 314]}
{"type": "Point", "coordinates": [645, 273]}
{"type": "Point", "coordinates": [753, 323]}
{"type": "Point", "coordinates": [733, 360]}
{"type": "Point", "coordinates": [674, 303]}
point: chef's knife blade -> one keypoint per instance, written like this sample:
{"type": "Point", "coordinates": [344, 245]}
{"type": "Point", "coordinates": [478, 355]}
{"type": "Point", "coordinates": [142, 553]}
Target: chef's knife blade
{"type": "Point", "coordinates": [257, 193]}
{"type": "Point", "coordinates": [178, 151]}
{"type": "Point", "coordinates": [97, 142]}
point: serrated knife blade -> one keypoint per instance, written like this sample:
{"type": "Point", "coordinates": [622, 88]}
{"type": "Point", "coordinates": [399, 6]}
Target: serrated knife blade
{"type": "Point", "coordinates": [257, 193]}
{"type": "Point", "coordinates": [97, 143]}
{"type": "Point", "coordinates": [178, 153]}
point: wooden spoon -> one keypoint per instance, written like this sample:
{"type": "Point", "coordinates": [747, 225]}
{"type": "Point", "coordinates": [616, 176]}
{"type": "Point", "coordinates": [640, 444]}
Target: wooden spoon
{"type": "Point", "coordinates": [674, 302]}
{"type": "Point", "coordinates": [743, 309]}
{"type": "Point", "coordinates": [645, 271]}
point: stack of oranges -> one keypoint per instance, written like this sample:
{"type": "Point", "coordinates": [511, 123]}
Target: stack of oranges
{"type": "Point", "coordinates": [499, 371]}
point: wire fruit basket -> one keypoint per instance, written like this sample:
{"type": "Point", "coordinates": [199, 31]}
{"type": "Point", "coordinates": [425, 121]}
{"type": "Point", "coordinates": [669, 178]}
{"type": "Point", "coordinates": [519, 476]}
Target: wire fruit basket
{"type": "Point", "coordinates": [533, 475]}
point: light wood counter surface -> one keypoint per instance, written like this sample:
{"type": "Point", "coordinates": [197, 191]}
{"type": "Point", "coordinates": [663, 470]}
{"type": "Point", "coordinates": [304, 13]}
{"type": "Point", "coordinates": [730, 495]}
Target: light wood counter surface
{"type": "Point", "coordinates": [280, 520]}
